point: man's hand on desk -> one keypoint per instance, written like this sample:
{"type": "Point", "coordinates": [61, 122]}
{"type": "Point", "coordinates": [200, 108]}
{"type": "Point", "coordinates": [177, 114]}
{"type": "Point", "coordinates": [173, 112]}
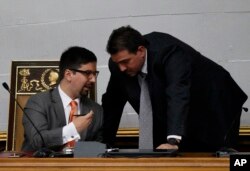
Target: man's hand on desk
{"type": "Point", "coordinates": [167, 146]}
{"type": "Point", "coordinates": [172, 143]}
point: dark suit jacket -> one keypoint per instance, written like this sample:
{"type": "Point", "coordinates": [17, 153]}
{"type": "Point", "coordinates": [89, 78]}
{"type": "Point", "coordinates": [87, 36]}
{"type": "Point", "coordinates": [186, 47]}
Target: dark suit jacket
{"type": "Point", "coordinates": [191, 95]}
{"type": "Point", "coordinates": [46, 111]}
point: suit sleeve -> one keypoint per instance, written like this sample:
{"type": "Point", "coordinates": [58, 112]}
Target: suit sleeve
{"type": "Point", "coordinates": [113, 101]}
{"type": "Point", "coordinates": [177, 71]}
{"type": "Point", "coordinates": [37, 112]}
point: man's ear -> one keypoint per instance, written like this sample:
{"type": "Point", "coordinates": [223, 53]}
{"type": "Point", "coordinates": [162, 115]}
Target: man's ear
{"type": "Point", "coordinates": [141, 51]}
{"type": "Point", "coordinates": [68, 74]}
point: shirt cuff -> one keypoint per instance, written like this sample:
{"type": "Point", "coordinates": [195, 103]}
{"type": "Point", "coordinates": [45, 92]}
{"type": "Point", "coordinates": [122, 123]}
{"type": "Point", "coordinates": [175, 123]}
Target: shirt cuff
{"type": "Point", "coordinates": [174, 136]}
{"type": "Point", "coordinates": [70, 133]}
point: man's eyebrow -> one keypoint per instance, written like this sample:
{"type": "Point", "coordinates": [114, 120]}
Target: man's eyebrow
{"type": "Point", "coordinates": [124, 60]}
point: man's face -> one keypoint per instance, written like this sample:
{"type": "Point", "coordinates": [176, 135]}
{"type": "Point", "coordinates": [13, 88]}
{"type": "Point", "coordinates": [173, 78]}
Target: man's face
{"type": "Point", "coordinates": [130, 63]}
{"type": "Point", "coordinates": [82, 79]}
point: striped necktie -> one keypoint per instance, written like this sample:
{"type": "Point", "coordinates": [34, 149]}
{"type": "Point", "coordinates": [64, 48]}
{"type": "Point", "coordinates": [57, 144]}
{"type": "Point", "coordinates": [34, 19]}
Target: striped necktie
{"type": "Point", "coordinates": [145, 116]}
{"type": "Point", "coordinates": [73, 111]}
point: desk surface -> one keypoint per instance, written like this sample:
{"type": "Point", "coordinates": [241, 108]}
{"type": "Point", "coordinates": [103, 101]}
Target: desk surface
{"type": "Point", "coordinates": [180, 163]}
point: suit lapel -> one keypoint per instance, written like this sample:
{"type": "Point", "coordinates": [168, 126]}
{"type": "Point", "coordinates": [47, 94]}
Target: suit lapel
{"type": "Point", "coordinates": [85, 108]}
{"type": "Point", "coordinates": [150, 72]}
{"type": "Point", "coordinates": [58, 106]}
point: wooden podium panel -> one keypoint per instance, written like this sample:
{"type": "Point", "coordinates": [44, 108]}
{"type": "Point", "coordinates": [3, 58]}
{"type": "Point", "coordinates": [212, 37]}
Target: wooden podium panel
{"type": "Point", "coordinates": [116, 164]}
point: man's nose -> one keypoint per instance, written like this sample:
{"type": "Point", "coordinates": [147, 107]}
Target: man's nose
{"type": "Point", "coordinates": [122, 68]}
{"type": "Point", "coordinates": [93, 79]}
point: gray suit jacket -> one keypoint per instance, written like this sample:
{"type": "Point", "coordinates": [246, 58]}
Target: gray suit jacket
{"type": "Point", "coordinates": [46, 111]}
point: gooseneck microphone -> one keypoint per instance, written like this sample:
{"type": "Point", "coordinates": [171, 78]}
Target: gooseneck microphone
{"type": "Point", "coordinates": [43, 152]}
{"type": "Point", "coordinates": [227, 150]}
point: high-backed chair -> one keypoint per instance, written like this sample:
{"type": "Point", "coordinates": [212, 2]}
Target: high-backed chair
{"type": "Point", "coordinates": [29, 78]}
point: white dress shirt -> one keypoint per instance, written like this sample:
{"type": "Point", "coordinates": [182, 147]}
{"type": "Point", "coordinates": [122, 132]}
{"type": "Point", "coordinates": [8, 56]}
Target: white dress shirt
{"type": "Point", "coordinates": [69, 132]}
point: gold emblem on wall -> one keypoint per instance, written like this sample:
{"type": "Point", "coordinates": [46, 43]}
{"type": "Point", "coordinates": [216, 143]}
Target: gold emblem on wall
{"type": "Point", "coordinates": [33, 80]}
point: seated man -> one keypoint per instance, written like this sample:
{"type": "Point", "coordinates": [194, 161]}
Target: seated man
{"type": "Point", "coordinates": [184, 100]}
{"type": "Point", "coordinates": [55, 112]}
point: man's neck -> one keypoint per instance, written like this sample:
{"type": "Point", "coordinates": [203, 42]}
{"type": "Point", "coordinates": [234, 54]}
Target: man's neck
{"type": "Point", "coordinates": [67, 89]}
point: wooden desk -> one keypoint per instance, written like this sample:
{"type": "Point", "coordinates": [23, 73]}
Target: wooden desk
{"type": "Point", "coordinates": [116, 164]}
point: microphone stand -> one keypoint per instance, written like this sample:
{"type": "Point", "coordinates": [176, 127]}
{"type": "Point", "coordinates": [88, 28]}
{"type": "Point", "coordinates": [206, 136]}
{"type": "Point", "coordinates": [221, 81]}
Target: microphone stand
{"type": "Point", "coordinates": [43, 151]}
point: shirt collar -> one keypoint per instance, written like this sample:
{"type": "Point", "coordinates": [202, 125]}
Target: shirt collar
{"type": "Point", "coordinates": [145, 65]}
{"type": "Point", "coordinates": [65, 98]}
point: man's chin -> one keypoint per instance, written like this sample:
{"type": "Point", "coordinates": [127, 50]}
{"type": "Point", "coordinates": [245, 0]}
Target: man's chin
{"type": "Point", "coordinates": [85, 92]}
{"type": "Point", "coordinates": [131, 74]}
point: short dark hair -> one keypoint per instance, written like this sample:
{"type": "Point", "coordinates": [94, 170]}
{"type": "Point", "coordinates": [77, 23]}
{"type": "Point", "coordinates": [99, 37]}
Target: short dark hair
{"type": "Point", "coordinates": [74, 57]}
{"type": "Point", "coordinates": [125, 38]}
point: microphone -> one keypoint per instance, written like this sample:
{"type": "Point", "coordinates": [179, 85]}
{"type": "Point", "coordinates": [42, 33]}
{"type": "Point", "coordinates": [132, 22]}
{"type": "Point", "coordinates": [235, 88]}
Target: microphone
{"type": "Point", "coordinates": [245, 109]}
{"type": "Point", "coordinates": [43, 152]}
{"type": "Point", "coordinates": [226, 151]}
